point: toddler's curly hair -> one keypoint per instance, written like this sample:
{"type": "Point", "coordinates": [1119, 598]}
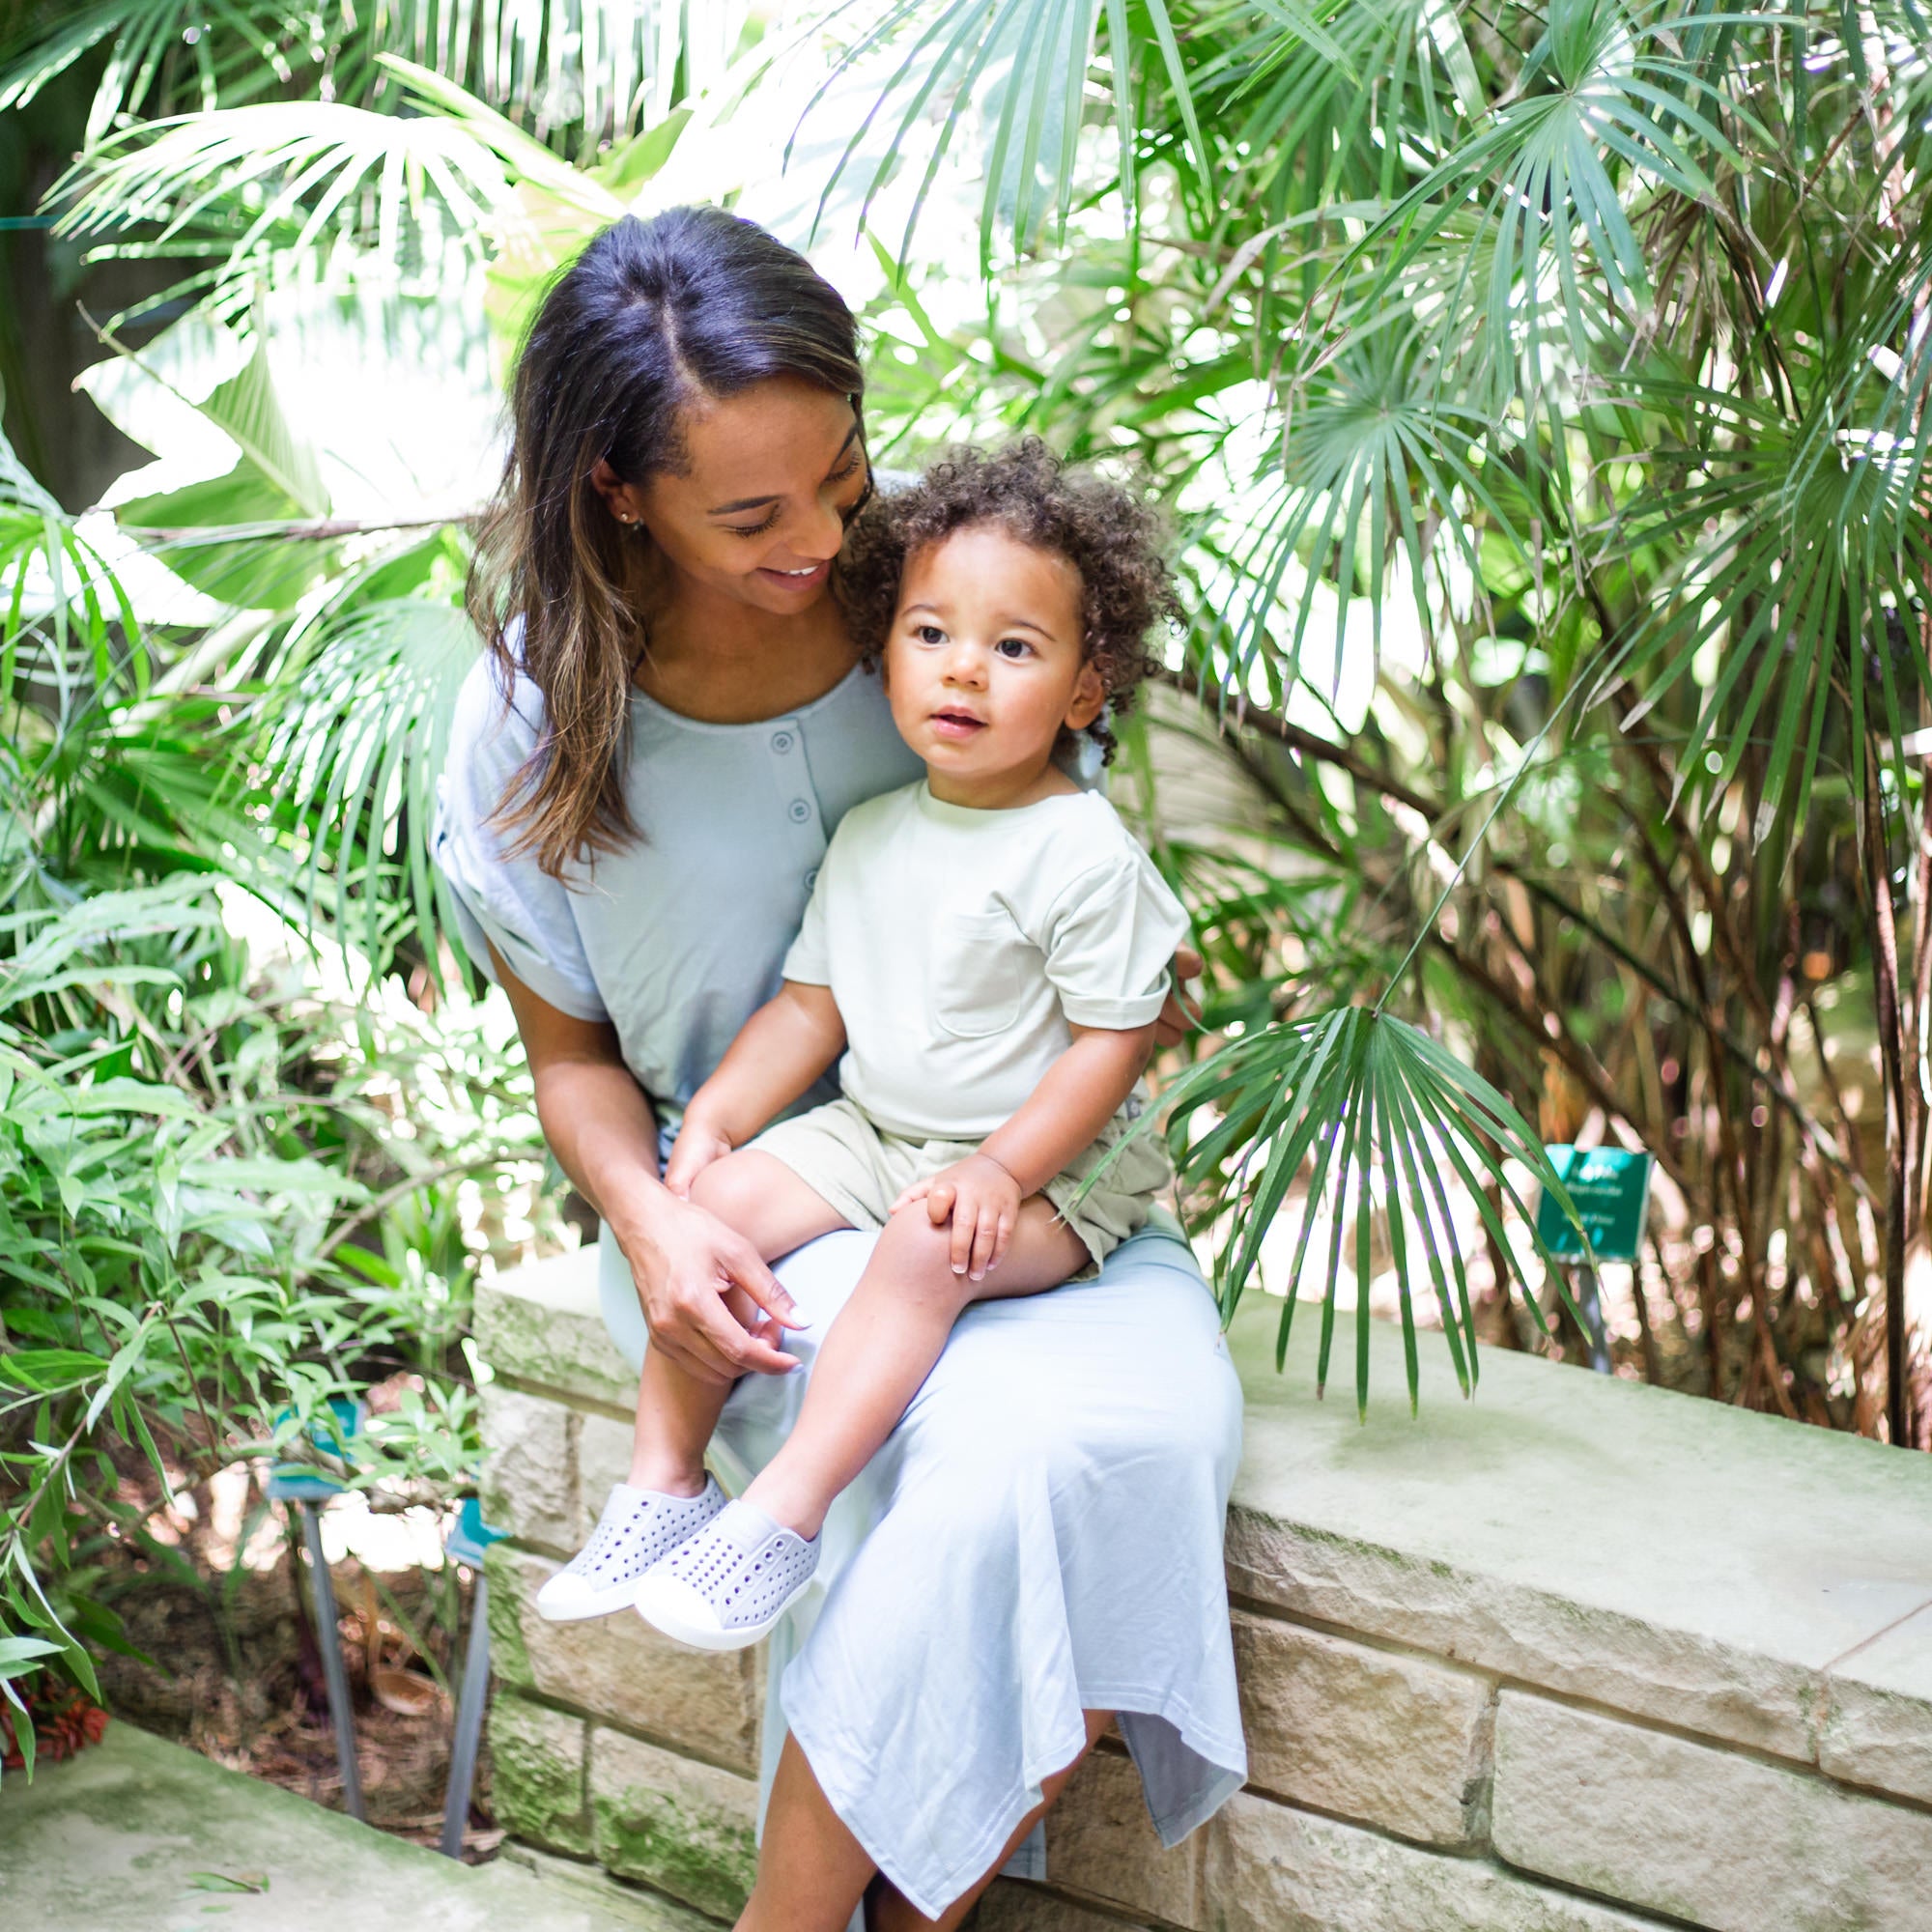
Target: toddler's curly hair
{"type": "Point", "coordinates": [1112, 538]}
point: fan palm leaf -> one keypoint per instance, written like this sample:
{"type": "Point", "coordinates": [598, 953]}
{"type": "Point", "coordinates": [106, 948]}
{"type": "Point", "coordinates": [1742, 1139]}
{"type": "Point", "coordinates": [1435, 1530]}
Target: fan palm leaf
{"type": "Point", "coordinates": [356, 730]}
{"type": "Point", "coordinates": [574, 72]}
{"type": "Point", "coordinates": [1341, 1107]}
{"type": "Point", "coordinates": [1024, 63]}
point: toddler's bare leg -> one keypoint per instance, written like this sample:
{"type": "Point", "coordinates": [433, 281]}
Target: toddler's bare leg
{"type": "Point", "coordinates": [883, 1347]}
{"type": "Point", "coordinates": [776, 1211]}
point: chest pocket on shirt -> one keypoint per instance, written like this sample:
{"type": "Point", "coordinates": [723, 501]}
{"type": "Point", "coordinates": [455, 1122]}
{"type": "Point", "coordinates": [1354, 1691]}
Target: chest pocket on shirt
{"type": "Point", "coordinates": [979, 973]}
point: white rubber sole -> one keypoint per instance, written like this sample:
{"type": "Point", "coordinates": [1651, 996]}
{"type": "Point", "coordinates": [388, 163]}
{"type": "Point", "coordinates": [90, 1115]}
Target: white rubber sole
{"type": "Point", "coordinates": [661, 1600]}
{"type": "Point", "coordinates": [603, 1602]}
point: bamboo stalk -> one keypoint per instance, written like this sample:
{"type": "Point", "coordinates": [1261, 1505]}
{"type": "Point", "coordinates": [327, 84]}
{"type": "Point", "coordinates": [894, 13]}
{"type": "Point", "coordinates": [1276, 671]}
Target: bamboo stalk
{"type": "Point", "coordinates": [1884, 982]}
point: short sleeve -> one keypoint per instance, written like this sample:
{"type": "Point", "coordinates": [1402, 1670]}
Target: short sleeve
{"type": "Point", "coordinates": [509, 902]}
{"type": "Point", "coordinates": [1110, 938]}
{"type": "Point", "coordinates": [809, 959]}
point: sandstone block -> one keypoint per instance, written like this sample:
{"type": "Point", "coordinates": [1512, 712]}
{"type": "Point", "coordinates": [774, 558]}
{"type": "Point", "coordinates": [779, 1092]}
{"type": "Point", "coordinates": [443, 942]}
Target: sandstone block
{"type": "Point", "coordinates": [1475, 1616]}
{"type": "Point", "coordinates": [536, 1771]}
{"type": "Point", "coordinates": [1519, 1532]}
{"type": "Point", "coordinates": [1272, 1868]}
{"type": "Point", "coordinates": [603, 1458]}
{"type": "Point", "coordinates": [1101, 1842]}
{"type": "Point", "coordinates": [618, 1668]}
{"type": "Point", "coordinates": [1011, 1905]}
{"type": "Point", "coordinates": [1878, 1714]}
{"type": "Point", "coordinates": [1706, 1836]}
{"type": "Point", "coordinates": [542, 1325]}
{"type": "Point", "coordinates": [505, 1568]}
{"type": "Point", "coordinates": [686, 1828]}
{"type": "Point", "coordinates": [528, 1483]}
{"type": "Point", "coordinates": [1386, 1739]}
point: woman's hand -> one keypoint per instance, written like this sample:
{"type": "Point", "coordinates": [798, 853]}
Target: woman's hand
{"type": "Point", "coordinates": [1180, 1016]}
{"type": "Point", "coordinates": [983, 1201]}
{"type": "Point", "coordinates": [697, 1281]}
{"type": "Point", "coordinates": [701, 1284]}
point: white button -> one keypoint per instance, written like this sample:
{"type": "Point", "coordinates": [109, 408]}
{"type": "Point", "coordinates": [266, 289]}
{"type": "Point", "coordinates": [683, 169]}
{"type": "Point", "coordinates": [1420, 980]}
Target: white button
{"type": "Point", "coordinates": [800, 811]}
{"type": "Point", "coordinates": [781, 742]}
{"type": "Point", "coordinates": [811, 878]}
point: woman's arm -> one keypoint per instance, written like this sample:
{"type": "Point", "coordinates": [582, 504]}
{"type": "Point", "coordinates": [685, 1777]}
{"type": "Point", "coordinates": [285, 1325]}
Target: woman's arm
{"type": "Point", "coordinates": [779, 1051]}
{"type": "Point", "coordinates": [601, 1128]}
{"type": "Point", "coordinates": [1081, 1092]}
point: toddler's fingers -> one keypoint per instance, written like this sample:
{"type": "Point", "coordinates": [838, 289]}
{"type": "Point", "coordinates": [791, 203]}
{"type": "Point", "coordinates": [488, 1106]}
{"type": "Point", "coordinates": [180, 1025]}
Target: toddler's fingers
{"type": "Point", "coordinates": [965, 1224]}
{"type": "Point", "coordinates": [985, 1240]}
{"type": "Point", "coordinates": [1003, 1239]}
{"type": "Point", "coordinates": [939, 1202]}
{"type": "Point", "coordinates": [918, 1191]}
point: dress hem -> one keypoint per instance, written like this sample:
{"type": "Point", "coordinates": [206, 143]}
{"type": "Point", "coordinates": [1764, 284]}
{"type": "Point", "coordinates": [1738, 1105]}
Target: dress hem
{"type": "Point", "coordinates": [1139, 1702]}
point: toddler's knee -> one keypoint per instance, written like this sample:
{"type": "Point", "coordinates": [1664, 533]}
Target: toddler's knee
{"type": "Point", "coordinates": [920, 1256]}
{"type": "Point", "coordinates": [728, 1188]}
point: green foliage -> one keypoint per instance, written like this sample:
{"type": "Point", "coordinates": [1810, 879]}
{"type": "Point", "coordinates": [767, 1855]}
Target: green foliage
{"type": "Point", "coordinates": [574, 75]}
{"type": "Point", "coordinates": [181, 1154]}
{"type": "Point", "coordinates": [1541, 398]}
{"type": "Point", "coordinates": [212, 1220]}
{"type": "Point", "coordinates": [1411, 1118]}
{"type": "Point", "coordinates": [1544, 395]}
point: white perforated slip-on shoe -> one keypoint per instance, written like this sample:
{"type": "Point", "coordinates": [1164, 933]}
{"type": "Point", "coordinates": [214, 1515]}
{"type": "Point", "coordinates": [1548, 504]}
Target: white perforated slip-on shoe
{"type": "Point", "coordinates": [638, 1528]}
{"type": "Point", "coordinates": [729, 1584]}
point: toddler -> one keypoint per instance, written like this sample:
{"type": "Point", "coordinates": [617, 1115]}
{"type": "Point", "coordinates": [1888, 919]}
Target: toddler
{"type": "Point", "coordinates": [989, 951]}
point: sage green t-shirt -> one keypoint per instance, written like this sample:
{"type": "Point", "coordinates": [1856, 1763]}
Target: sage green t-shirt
{"type": "Point", "coordinates": [959, 944]}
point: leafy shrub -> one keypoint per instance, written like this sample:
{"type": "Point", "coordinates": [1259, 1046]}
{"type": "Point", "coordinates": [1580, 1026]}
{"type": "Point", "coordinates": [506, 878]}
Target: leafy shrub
{"type": "Point", "coordinates": [213, 1223]}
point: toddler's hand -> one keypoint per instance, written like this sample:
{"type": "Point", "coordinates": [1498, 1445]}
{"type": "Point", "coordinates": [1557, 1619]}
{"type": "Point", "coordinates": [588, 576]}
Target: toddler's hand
{"type": "Point", "coordinates": [983, 1201]}
{"type": "Point", "coordinates": [696, 1148]}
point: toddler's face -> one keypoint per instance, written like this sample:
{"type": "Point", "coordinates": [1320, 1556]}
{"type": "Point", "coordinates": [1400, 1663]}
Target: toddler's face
{"type": "Point", "coordinates": [986, 662]}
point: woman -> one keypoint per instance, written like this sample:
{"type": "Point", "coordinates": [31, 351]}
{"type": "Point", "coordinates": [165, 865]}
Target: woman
{"type": "Point", "coordinates": [642, 779]}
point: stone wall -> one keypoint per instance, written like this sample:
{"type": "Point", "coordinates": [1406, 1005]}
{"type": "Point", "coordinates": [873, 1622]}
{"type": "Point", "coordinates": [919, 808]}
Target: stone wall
{"type": "Point", "coordinates": [1574, 1657]}
{"type": "Point", "coordinates": [607, 1742]}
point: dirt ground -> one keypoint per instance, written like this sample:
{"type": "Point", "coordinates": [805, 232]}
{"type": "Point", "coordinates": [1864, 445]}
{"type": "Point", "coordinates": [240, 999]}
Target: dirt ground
{"type": "Point", "coordinates": [231, 1666]}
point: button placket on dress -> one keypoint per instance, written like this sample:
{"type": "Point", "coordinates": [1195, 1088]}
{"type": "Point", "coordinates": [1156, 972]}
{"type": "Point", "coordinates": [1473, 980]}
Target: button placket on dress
{"type": "Point", "coordinates": [786, 748]}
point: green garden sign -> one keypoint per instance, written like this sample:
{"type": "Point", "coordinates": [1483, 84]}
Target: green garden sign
{"type": "Point", "coordinates": [1609, 1187]}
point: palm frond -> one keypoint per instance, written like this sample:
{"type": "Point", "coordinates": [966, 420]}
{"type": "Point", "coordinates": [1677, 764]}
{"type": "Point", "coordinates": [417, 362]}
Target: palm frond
{"type": "Point", "coordinates": [1369, 1122]}
{"type": "Point", "coordinates": [574, 75]}
{"type": "Point", "coordinates": [230, 184]}
{"type": "Point", "coordinates": [1023, 66]}
{"type": "Point", "coordinates": [1605, 106]}
{"type": "Point", "coordinates": [66, 622]}
{"type": "Point", "coordinates": [1811, 547]}
{"type": "Point", "coordinates": [355, 732]}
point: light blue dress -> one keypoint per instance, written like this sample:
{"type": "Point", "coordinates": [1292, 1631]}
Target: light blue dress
{"type": "Point", "coordinates": [1041, 1535]}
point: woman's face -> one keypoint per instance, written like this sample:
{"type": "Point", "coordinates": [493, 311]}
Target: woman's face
{"type": "Point", "coordinates": [759, 510]}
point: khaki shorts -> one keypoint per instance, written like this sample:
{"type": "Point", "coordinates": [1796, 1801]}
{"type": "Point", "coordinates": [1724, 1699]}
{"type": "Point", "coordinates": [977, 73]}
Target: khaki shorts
{"type": "Point", "coordinates": [858, 1171]}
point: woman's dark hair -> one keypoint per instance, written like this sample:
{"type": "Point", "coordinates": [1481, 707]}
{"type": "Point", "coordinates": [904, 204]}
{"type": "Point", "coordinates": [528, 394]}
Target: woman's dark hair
{"type": "Point", "coordinates": [691, 302]}
{"type": "Point", "coordinates": [1109, 535]}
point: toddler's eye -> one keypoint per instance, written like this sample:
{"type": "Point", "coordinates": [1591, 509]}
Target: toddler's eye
{"type": "Point", "coordinates": [930, 634]}
{"type": "Point", "coordinates": [1013, 648]}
